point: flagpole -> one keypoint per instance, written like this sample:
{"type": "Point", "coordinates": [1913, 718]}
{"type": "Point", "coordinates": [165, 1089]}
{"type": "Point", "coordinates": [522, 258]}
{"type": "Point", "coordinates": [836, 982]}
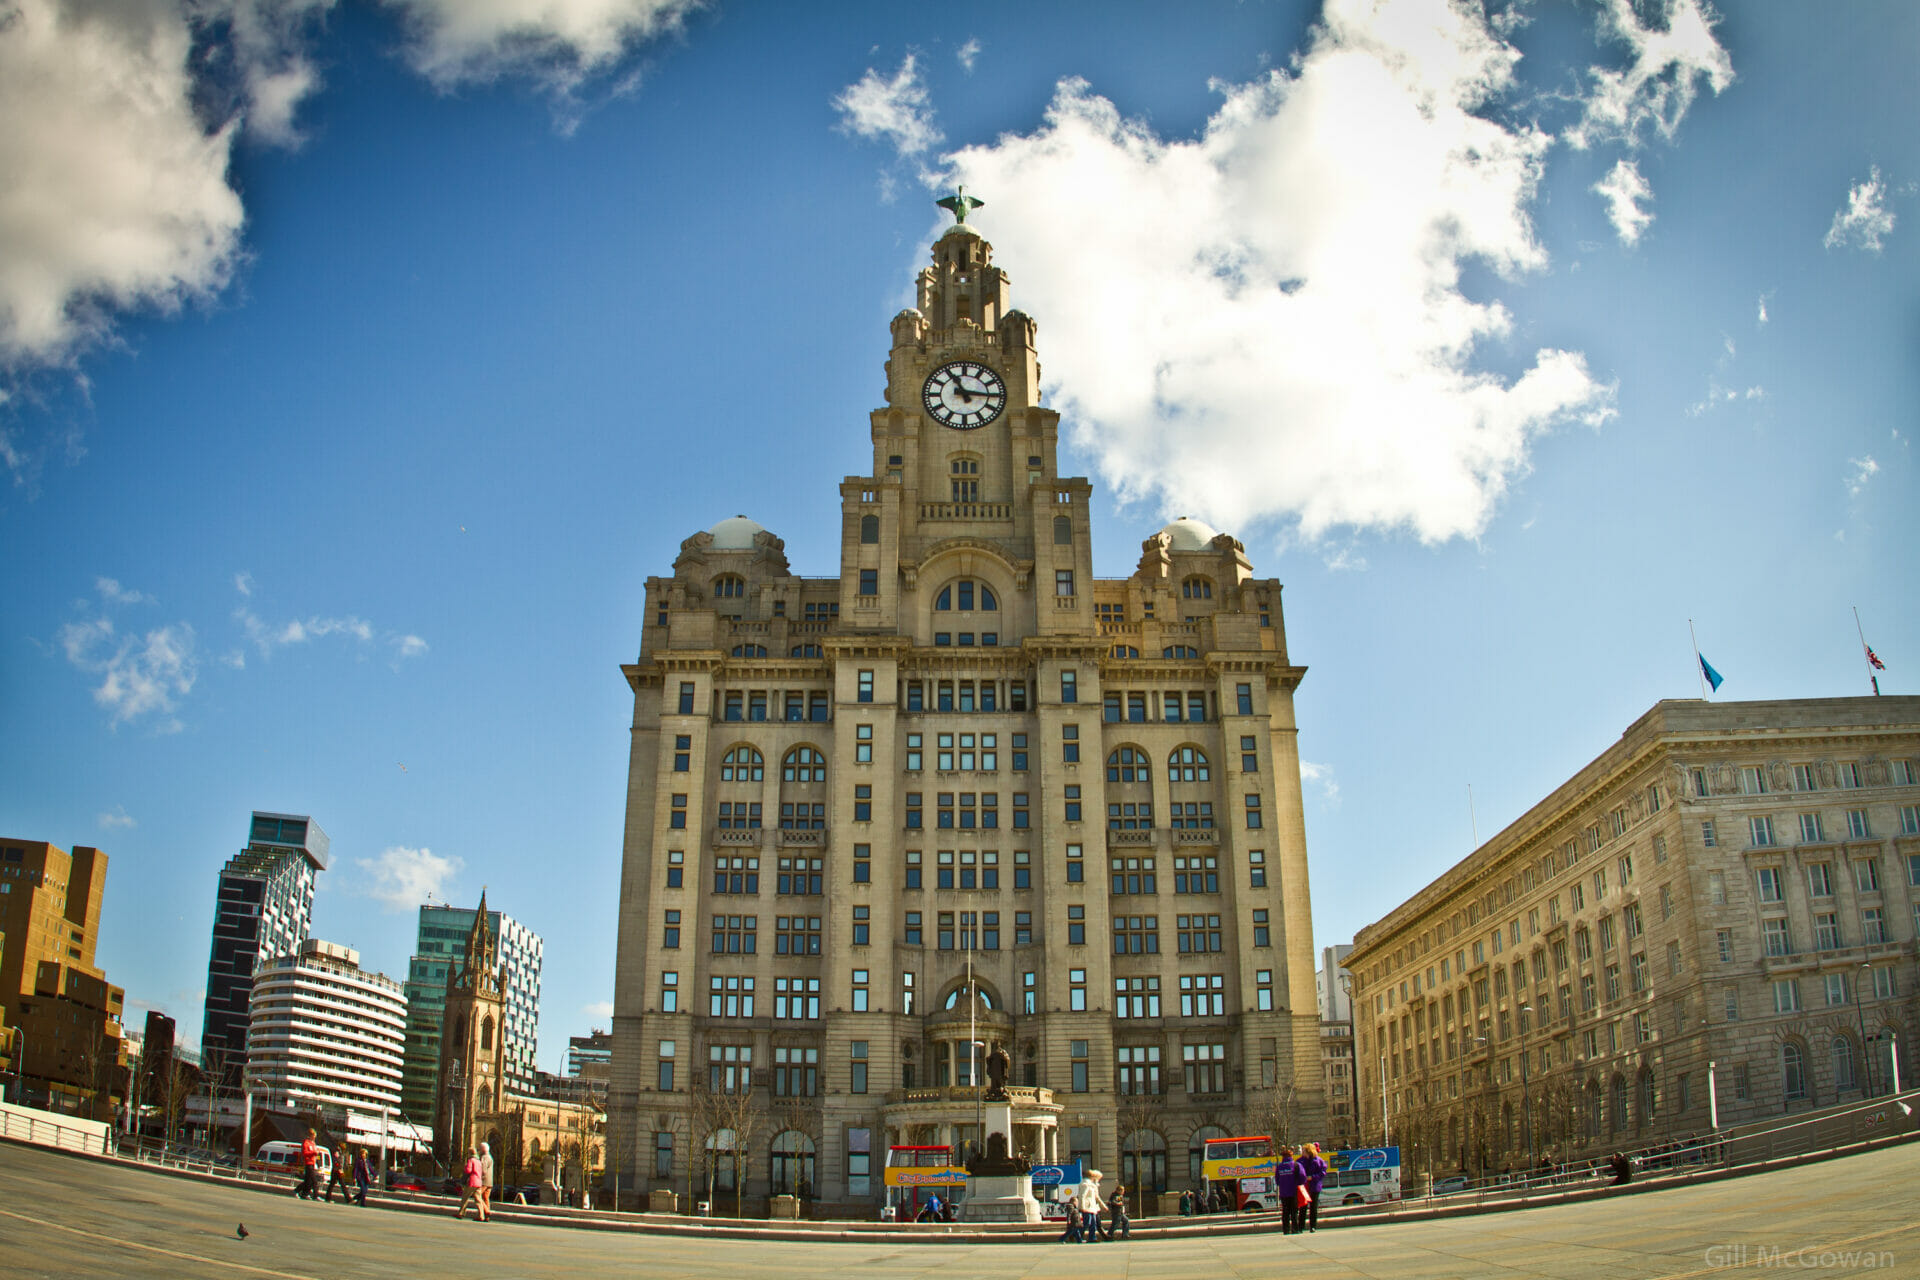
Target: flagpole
{"type": "Point", "coordinates": [1698, 670]}
{"type": "Point", "coordinates": [1865, 651]}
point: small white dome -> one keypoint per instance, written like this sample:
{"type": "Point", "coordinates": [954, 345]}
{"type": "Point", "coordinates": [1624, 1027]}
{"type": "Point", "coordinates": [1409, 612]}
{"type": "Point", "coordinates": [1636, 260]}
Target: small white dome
{"type": "Point", "coordinates": [735, 534]}
{"type": "Point", "coordinates": [1188, 534]}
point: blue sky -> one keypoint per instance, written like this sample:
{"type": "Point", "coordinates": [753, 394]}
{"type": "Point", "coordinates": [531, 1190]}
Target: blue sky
{"type": "Point", "coordinates": [360, 361]}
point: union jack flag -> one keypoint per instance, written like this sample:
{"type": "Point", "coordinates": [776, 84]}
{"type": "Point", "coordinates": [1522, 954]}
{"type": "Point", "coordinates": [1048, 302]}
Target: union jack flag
{"type": "Point", "coordinates": [1873, 659]}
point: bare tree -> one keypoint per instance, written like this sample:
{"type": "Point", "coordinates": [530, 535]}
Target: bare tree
{"type": "Point", "coordinates": [739, 1114]}
{"type": "Point", "coordinates": [176, 1087]}
{"type": "Point", "coordinates": [621, 1145]}
{"type": "Point", "coordinates": [1138, 1113]}
{"type": "Point", "coordinates": [1274, 1110]}
{"type": "Point", "coordinates": [214, 1064]}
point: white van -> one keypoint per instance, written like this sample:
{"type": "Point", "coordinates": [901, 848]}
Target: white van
{"type": "Point", "coordinates": [284, 1157]}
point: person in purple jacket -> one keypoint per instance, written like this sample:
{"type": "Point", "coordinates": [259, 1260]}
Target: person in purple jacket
{"type": "Point", "coordinates": [1314, 1166]}
{"type": "Point", "coordinates": [1288, 1178]}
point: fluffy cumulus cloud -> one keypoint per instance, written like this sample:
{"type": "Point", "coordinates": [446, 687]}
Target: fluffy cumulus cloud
{"type": "Point", "coordinates": [113, 593]}
{"type": "Point", "coordinates": [968, 54]}
{"type": "Point", "coordinates": [1865, 220]}
{"type": "Point", "coordinates": [1267, 323]}
{"type": "Point", "coordinates": [142, 675]}
{"type": "Point", "coordinates": [116, 195]}
{"type": "Point", "coordinates": [1625, 192]}
{"type": "Point", "coordinates": [400, 879]}
{"type": "Point", "coordinates": [1320, 776]}
{"type": "Point", "coordinates": [894, 110]}
{"type": "Point", "coordinates": [1668, 57]}
{"type": "Point", "coordinates": [559, 43]}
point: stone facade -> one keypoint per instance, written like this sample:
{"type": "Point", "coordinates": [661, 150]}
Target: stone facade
{"type": "Point", "coordinates": [960, 791]}
{"type": "Point", "coordinates": [1730, 890]}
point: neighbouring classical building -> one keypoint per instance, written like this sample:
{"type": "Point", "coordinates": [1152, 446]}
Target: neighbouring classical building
{"type": "Point", "coordinates": [324, 1034]}
{"type": "Point", "coordinates": [961, 790]}
{"type": "Point", "coordinates": [1332, 984]}
{"type": "Point", "coordinates": [262, 908]}
{"type": "Point", "coordinates": [590, 1057]}
{"type": "Point", "coordinates": [1730, 890]}
{"type": "Point", "coordinates": [441, 941]}
{"type": "Point", "coordinates": [61, 1015]}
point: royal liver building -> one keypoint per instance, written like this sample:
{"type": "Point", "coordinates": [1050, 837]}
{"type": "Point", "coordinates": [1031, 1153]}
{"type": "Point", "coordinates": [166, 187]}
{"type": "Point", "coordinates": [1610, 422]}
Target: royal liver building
{"type": "Point", "coordinates": [959, 794]}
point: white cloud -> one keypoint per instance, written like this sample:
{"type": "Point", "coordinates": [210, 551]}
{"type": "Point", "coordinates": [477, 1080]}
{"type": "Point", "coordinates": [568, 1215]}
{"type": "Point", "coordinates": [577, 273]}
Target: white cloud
{"type": "Point", "coordinates": [558, 43]}
{"type": "Point", "coordinates": [1670, 55]}
{"type": "Point", "coordinates": [243, 583]}
{"type": "Point", "coordinates": [407, 646]}
{"type": "Point", "coordinates": [1626, 191]}
{"type": "Point", "coordinates": [968, 54]}
{"type": "Point", "coordinates": [139, 675]}
{"type": "Point", "coordinates": [1864, 469]}
{"type": "Point", "coordinates": [117, 819]}
{"type": "Point", "coordinates": [1321, 776]}
{"type": "Point", "coordinates": [400, 879]}
{"type": "Point", "coordinates": [267, 637]}
{"type": "Point", "coordinates": [1267, 322]}
{"type": "Point", "coordinates": [1866, 220]}
{"type": "Point", "coordinates": [116, 194]}
{"type": "Point", "coordinates": [597, 1009]}
{"type": "Point", "coordinates": [894, 111]}
{"type": "Point", "coordinates": [1762, 319]}
{"type": "Point", "coordinates": [113, 593]}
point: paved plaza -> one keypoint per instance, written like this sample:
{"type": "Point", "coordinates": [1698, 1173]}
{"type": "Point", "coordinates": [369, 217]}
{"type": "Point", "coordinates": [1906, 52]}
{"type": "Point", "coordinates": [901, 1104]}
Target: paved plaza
{"type": "Point", "coordinates": [70, 1218]}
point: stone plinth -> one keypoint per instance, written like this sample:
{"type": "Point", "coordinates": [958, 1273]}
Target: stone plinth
{"type": "Point", "coordinates": [1000, 1198]}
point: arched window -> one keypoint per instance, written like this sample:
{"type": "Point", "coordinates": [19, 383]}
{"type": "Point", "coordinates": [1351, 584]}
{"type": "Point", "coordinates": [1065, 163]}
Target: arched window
{"type": "Point", "coordinates": [966, 595]}
{"type": "Point", "coordinates": [749, 651]}
{"type": "Point", "coordinates": [803, 764]}
{"type": "Point", "coordinates": [1188, 764]}
{"type": "Point", "coordinates": [1143, 1161]}
{"type": "Point", "coordinates": [1649, 1099]}
{"type": "Point", "coordinates": [1793, 1069]}
{"type": "Point", "coordinates": [483, 1101]}
{"type": "Point", "coordinates": [1179, 651]}
{"type": "Point", "coordinates": [806, 651]}
{"type": "Point", "coordinates": [1843, 1077]}
{"type": "Point", "coordinates": [1617, 1105]}
{"type": "Point", "coordinates": [1062, 531]}
{"type": "Point", "coordinates": [791, 1160]}
{"type": "Point", "coordinates": [742, 764]}
{"type": "Point", "coordinates": [1506, 1126]}
{"type": "Point", "coordinates": [1128, 764]}
{"type": "Point", "coordinates": [1124, 651]}
{"type": "Point", "coordinates": [729, 586]}
{"type": "Point", "coordinates": [959, 994]}
{"type": "Point", "coordinates": [1590, 1110]}
{"type": "Point", "coordinates": [486, 1033]}
{"type": "Point", "coordinates": [1196, 1152]}
{"type": "Point", "coordinates": [1197, 588]}
{"type": "Point", "coordinates": [869, 529]}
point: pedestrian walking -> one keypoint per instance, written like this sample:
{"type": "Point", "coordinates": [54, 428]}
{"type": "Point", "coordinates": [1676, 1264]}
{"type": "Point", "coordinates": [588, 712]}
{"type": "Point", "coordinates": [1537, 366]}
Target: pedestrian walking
{"type": "Point", "coordinates": [362, 1175]}
{"type": "Point", "coordinates": [1314, 1166]}
{"type": "Point", "coordinates": [1186, 1204]}
{"type": "Point", "coordinates": [1072, 1235]}
{"type": "Point", "coordinates": [338, 1176]}
{"type": "Point", "coordinates": [470, 1185]}
{"type": "Point", "coordinates": [1117, 1219]}
{"type": "Point", "coordinates": [486, 1180]}
{"type": "Point", "coordinates": [309, 1188]}
{"type": "Point", "coordinates": [1288, 1180]}
{"type": "Point", "coordinates": [1090, 1206]}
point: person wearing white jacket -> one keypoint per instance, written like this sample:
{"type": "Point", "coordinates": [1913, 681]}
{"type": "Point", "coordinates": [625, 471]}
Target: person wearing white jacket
{"type": "Point", "coordinates": [1090, 1205]}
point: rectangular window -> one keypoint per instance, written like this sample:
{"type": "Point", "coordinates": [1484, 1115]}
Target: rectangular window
{"type": "Point", "coordinates": [678, 817]}
{"type": "Point", "coordinates": [906, 992]}
{"type": "Point", "coordinates": [1205, 1066]}
{"type": "Point", "coordinates": [869, 582]}
{"type": "Point", "coordinates": [686, 697]}
{"type": "Point", "coordinates": [1723, 941]}
{"type": "Point", "coordinates": [664, 1083]}
{"type": "Point", "coordinates": [913, 869]}
{"type": "Point", "coordinates": [913, 929]}
{"type": "Point", "coordinates": [1263, 989]}
{"type": "Point", "coordinates": [1811, 831]}
{"type": "Point", "coordinates": [663, 1155]}
{"type": "Point", "coordinates": [1077, 993]}
{"type": "Point", "coordinates": [1243, 699]}
{"type": "Point", "coordinates": [1022, 928]}
{"type": "Point", "coordinates": [1072, 803]}
{"type": "Point", "coordinates": [797, 935]}
{"type": "Point", "coordinates": [863, 864]}
{"type": "Point", "coordinates": [1786, 996]}
{"type": "Point", "coordinates": [860, 990]}
{"type": "Point", "coordinates": [1069, 688]}
{"type": "Point", "coordinates": [682, 752]}
{"type": "Point", "coordinates": [1030, 992]}
{"type": "Point", "coordinates": [1774, 934]}
{"type": "Point", "coordinates": [1866, 875]}
{"type": "Point", "coordinates": [1873, 925]}
{"type": "Point", "coordinates": [1136, 997]}
{"type": "Point", "coordinates": [670, 992]}
{"type": "Point", "coordinates": [1760, 831]}
{"type": "Point", "coordinates": [1826, 931]}
{"type": "Point", "coordinates": [863, 744]}
{"type": "Point", "coordinates": [862, 926]}
{"type": "Point", "coordinates": [1261, 938]}
{"type": "Point", "coordinates": [670, 932]}
{"type": "Point", "coordinates": [1883, 982]}
{"type": "Point", "coordinates": [1022, 868]}
{"type": "Point", "coordinates": [857, 1074]}
{"type": "Point", "coordinates": [1253, 811]}
{"type": "Point", "coordinates": [1063, 582]}
{"type": "Point", "coordinates": [796, 1072]}
{"type": "Point", "coordinates": [864, 691]}
{"type": "Point", "coordinates": [1707, 837]}
{"type": "Point", "coordinates": [1769, 880]}
{"type": "Point", "coordinates": [1203, 995]}
{"type": "Point", "coordinates": [676, 869]}
{"type": "Point", "coordinates": [1076, 926]}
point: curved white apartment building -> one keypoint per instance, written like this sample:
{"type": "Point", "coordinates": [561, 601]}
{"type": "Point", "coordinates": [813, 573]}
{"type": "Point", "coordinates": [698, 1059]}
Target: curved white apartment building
{"type": "Point", "coordinates": [324, 1032]}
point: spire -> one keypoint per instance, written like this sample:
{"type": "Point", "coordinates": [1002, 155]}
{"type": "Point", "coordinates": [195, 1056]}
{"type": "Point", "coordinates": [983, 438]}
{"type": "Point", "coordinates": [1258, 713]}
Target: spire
{"type": "Point", "coordinates": [477, 965]}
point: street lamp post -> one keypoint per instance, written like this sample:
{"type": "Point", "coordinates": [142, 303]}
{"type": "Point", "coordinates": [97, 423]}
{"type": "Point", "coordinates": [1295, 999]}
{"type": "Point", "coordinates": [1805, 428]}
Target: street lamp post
{"type": "Point", "coordinates": [1353, 1040]}
{"type": "Point", "coordinates": [1526, 1098]}
{"type": "Point", "coordinates": [1866, 971]}
{"type": "Point", "coordinates": [20, 1066]}
{"type": "Point", "coordinates": [454, 1082]}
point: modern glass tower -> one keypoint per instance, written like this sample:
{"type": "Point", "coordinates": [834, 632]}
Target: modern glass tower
{"type": "Point", "coordinates": [263, 909]}
{"type": "Point", "coordinates": [442, 940]}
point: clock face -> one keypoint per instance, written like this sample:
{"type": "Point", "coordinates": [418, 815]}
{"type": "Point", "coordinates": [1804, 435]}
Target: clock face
{"type": "Point", "coordinates": [964, 395]}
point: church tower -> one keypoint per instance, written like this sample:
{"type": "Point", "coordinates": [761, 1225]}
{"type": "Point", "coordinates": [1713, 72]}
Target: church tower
{"type": "Point", "coordinates": [472, 1072]}
{"type": "Point", "coordinates": [961, 796]}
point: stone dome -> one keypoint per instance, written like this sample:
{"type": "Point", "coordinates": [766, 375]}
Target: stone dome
{"type": "Point", "coordinates": [735, 533]}
{"type": "Point", "coordinates": [1188, 534]}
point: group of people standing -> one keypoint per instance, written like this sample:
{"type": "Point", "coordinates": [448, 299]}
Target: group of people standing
{"type": "Point", "coordinates": [309, 1188]}
{"type": "Point", "coordinates": [1084, 1206]}
{"type": "Point", "coordinates": [1298, 1181]}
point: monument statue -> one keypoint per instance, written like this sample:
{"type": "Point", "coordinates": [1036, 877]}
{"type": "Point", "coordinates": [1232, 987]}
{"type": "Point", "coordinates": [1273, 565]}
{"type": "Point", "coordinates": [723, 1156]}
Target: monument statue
{"type": "Point", "coordinates": [997, 1064]}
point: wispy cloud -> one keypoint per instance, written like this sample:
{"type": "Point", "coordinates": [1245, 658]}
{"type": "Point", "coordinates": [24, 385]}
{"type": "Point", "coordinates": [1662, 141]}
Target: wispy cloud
{"type": "Point", "coordinates": [140, 675]}
{"type": "Point", "coordinates": [402, 878]}
{"type": "Point", "coordinates": [600, 1009]}
{"type": "Point", "coordinates": [1307, 249]}
{"type": "Point", "coordinates": [1864, 469]}
{"type": "Point", "coordinates": [968, 54]}
{"type": "Point", "coordinates": [1626, 191]}
{"type": "Point", "coordinates": [894, 111]}
{"type": "Point", "coordinates": [1320, 776]}
{"type": "Point", "coordinates": [1762, 317]}
{"type": "Point", "coordinates": [266, 637]}
{"type": "Point", "coordinates": [113, 593]}
{"type": "Point", "coordinates": [1670, 54]}
{"type": "Point", "coordinates": [407, 646]}
{"type": "Point", "coordinates": [1866, 220]}
{"type": "Point", "coordinates": [243, 583]}
{"type": "Point", "coordinates": [117, 819]}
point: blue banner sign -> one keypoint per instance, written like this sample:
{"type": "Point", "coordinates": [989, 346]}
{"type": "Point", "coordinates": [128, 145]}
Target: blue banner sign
{"type": "Point", "coordinates": [1054, 1175]}
{"type": "Point", "coordinates": [1367, 1158]}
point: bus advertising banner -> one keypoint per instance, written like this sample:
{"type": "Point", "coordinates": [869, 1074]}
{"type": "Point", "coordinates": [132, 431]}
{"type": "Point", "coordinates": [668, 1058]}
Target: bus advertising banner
{"type": "Point", "coordinates": [1364, 1158]}
{"type": "Point", "coordinates": [1056, 1175]}
{"type": "Point", "coordinates": [925, 1176]}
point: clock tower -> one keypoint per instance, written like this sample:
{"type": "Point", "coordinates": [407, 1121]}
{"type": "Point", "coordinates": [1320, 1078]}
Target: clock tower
{"type": "Point", "coordinates": [472, 1075]}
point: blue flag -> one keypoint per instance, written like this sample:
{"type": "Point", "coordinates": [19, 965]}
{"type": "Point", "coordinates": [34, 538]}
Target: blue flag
{"type": "Point", "coordinates": [1713, 677]}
